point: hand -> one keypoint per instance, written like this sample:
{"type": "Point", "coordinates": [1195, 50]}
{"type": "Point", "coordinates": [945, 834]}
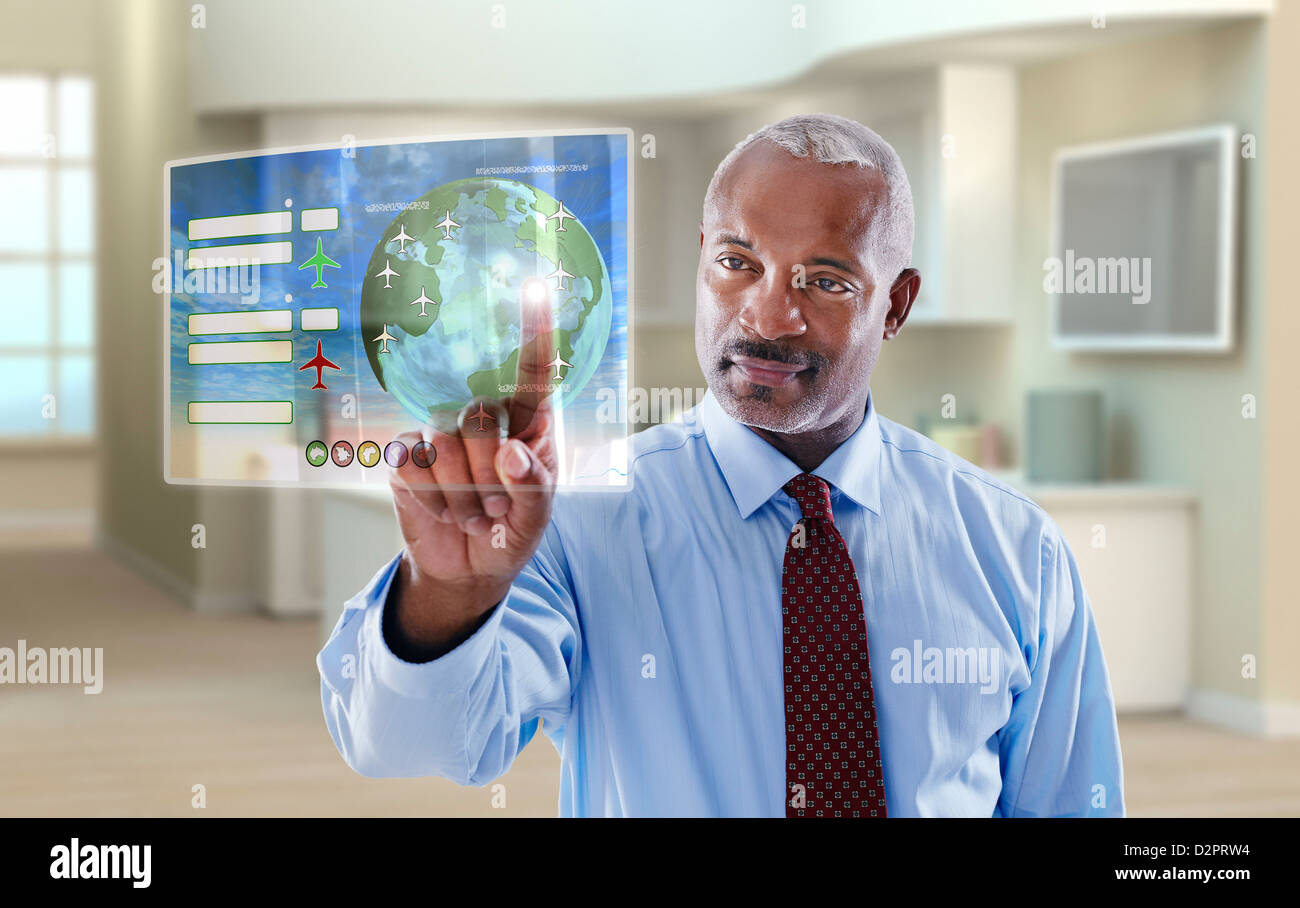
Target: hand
{"type": "Point", "coordinates": [473, 519]}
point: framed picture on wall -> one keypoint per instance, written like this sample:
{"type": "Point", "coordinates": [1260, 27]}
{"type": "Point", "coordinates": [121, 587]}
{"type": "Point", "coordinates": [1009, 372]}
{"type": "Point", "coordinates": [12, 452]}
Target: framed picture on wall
{"type": "Point", "coordinates": [1143, 246]}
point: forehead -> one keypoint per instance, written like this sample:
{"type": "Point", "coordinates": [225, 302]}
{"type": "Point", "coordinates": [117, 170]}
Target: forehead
{"type": "Point", "coordinates": [772, 198]}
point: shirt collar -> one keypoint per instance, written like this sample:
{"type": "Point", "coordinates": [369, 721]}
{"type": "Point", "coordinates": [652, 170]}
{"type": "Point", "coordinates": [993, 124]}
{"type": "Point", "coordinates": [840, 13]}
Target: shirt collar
{"type": "Point", "coordinates": [755, 471]}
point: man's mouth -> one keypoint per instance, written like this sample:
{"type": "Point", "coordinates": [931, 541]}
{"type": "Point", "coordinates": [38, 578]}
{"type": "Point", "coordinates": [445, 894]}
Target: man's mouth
{"type": "Point", "coordinates": [767, 371]}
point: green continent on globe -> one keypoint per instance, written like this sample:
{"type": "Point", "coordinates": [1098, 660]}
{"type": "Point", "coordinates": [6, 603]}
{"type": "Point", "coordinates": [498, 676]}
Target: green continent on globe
{"type": "Point", "coordinates": [449, 296]}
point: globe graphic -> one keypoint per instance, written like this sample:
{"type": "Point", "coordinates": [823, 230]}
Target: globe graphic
{"type": "Point", "coordinates": [445, 284]}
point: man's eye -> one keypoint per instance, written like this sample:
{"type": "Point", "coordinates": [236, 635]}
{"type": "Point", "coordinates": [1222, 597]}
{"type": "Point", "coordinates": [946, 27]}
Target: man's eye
{"type": "Point", "coordinates": [830, 285]}
{"type": "Point", "coordinates": [739, 262]}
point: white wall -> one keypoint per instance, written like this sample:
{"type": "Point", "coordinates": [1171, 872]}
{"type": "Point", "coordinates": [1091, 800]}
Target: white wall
{"type": "Point", "coordinates": [327, 53]}
{"type": "Point", "coordinates": [1173, 418]}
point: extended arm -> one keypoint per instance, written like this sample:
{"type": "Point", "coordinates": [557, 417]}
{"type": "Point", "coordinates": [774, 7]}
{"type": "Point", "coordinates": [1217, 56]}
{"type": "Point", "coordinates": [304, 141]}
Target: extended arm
{"type": "Point", "coordinates": [467, 713]}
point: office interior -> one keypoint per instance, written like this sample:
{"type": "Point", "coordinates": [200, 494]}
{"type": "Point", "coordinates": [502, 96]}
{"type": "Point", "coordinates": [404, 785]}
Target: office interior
{"type": "Point", "coordinates": [1179, 508]}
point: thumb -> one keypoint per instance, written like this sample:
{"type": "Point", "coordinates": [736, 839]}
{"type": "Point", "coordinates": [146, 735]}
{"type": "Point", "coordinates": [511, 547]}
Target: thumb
{"type": "Point", "coordinates": [527, 482]}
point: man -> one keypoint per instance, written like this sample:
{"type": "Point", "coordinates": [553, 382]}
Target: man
{"type": "Point", "coordinates": [699, 645]}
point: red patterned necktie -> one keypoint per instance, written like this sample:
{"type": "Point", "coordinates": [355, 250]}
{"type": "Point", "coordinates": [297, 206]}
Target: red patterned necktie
{"type": "Point", "coordinates": [833, 764]}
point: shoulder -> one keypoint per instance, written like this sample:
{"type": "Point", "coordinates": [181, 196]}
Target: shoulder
{"type": "Point", "coordinates": [927, 479]}
{"type": "Point", "coordinates": [646, 457]}
{"type": "Point", "coordinates": [974, 521]}
{"type": "Point", "coordinates": [914, 455]}
{"type": "Point", "coordinates": [659, 463]}
{"type": "Point", "coordinates": [661, 447]}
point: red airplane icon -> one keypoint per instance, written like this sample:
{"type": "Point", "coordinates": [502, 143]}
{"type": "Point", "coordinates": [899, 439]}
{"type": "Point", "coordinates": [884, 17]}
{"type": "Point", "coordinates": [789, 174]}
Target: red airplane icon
{"type": "Point", "coordinates": [318, 362]}
{"type": "Point", "coordinates": [482, 415]}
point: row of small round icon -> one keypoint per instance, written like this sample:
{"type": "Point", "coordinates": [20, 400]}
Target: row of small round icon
{"type": "Point", "coordinates": [422, 454]}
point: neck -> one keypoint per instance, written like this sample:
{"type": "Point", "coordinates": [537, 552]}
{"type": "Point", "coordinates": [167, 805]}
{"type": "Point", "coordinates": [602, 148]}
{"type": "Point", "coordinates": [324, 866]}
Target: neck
{"type": "Point", "coordinates": [807, 450]}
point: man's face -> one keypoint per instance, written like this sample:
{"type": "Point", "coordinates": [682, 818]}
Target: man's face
{"type": "Point", "coordinates": [780, 356]}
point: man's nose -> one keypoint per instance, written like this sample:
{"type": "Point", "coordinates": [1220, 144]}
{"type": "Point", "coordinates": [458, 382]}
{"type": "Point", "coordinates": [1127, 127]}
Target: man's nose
{"type": "Point", "coordinates": [771, 308]}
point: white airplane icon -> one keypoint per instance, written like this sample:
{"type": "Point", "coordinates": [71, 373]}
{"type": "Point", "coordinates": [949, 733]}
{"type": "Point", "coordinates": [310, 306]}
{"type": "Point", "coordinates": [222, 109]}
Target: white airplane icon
{"type": "Point", "coordinates": [387, 274]}
{"type": "Point", "coordinates": [446, 224]}
{"type": "Point", "coordinates": [423, 301]}
{"type": "Point", "coordinates": [385, 337]}
{"type": "Point", "coordinates": [560, 274]}
{"type": "Point", "coordinates": [557, 362]}
{"type": "Point", "coordinates": [401, 238]}
{"type": "Point", "coordinates": [562, 214]}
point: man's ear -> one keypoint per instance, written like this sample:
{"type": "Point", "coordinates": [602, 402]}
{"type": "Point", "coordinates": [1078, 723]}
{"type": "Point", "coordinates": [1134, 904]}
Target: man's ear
{"type": "Point", "coordinates": [901, 296]}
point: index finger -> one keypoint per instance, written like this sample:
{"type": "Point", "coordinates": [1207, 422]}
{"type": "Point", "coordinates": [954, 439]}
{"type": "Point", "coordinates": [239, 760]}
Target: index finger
{"type": "Point", "coordinates": [537, 354]}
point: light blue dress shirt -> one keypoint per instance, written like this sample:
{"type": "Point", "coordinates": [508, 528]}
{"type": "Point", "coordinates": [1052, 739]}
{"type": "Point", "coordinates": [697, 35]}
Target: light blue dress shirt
{"type": "Point", "coordinates": [645, 636]}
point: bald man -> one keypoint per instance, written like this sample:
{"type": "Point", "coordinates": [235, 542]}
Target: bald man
{"type": "Point", "coordinates": [801, 608]}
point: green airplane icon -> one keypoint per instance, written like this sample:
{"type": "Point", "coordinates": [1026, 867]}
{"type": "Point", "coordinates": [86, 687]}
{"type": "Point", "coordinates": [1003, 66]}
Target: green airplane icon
{"type": "Point", "coordinates": [320, 261]}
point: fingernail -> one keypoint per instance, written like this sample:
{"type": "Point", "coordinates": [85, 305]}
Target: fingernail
{"type": "Point", "coordinates": [496, 505]}
{"type": "Point", "coordinates": [476, 525]}
{"type": "Point", "coordinates": [517, 462]}
{"type": "Point", "coordinates": [445, 515]}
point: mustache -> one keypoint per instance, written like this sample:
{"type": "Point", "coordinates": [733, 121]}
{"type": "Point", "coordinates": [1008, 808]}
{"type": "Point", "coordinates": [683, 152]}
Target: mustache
{"type": "Point", "coordinates": [779, 353]}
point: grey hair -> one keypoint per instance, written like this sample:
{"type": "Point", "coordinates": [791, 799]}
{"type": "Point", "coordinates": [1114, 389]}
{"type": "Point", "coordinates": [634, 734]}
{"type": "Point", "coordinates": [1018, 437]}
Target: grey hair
{"type": "Point", "coordinates": [832, 139]}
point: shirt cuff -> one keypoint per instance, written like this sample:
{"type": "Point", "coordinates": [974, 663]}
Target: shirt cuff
{"type": "Point", "coordinates": [452, 672]}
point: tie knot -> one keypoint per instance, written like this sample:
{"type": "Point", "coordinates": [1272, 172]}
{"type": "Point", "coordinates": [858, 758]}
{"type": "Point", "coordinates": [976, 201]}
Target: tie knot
{"type": "Point", "coordinates": [813, 495]}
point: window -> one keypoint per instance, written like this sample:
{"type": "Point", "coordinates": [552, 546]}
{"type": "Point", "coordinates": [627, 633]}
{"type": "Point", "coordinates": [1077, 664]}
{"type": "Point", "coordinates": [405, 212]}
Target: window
{"type": "Point", "coordinates": [47, 287]}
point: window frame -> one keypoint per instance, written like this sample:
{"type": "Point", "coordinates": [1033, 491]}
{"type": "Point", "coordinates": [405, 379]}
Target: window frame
{"type": "Point", "coordinates": [54, 351]}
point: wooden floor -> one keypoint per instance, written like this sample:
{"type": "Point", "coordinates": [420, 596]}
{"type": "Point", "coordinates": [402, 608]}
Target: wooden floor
{"type": "Point", "coordinates": [233, 703]}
